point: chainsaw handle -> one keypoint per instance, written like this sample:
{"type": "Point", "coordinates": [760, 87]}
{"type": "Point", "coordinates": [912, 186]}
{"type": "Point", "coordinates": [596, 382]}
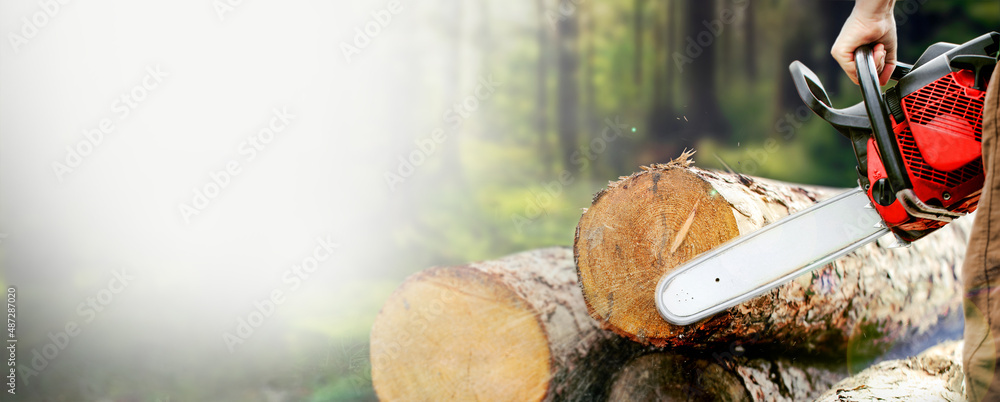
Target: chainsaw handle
{"type": "Point", "coordinates": [813, 94]}
{"type": "Point", "coordinates": [878, 115]}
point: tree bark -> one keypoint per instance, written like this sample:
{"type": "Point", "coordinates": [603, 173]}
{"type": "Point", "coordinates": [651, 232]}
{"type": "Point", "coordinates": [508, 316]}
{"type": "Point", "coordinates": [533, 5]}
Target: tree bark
{"type": "Point", "coordinates": [934, 375]}
{"type": "Point", "coordinates": [511, 329]}
{"type": "Point", "coordinates": [668, 377]}
{"type": "Point", "coordinates": [861, 304]}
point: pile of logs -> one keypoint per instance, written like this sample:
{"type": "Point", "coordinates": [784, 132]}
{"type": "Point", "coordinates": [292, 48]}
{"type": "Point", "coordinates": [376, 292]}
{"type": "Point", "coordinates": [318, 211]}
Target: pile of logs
{"type": "Point", "coordinates": [934, 375]}
{"type": "Point", "coordinates": [580, 323]}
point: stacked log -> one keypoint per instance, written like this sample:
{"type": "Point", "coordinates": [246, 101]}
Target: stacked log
{"type": "Point", "coordinates": [580, 323]}
{"type": "Point", "coordinates": [517, 329]}
{"type": "Point", "coordinates": [934, 375]}
{"type": "Point", "coordinates": [645, 225]}
{"type": "Point", "coordinates": [666, 376]}
{"type": "Point", "coordinates": [510, 329]}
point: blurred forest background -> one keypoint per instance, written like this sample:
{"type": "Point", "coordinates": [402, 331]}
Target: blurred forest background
{"type": "Point", "coordinates": [707, 75]}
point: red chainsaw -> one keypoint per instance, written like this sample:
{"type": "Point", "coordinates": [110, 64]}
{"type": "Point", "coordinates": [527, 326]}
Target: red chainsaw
{"type": "Point", "coordinates": [919, 152]}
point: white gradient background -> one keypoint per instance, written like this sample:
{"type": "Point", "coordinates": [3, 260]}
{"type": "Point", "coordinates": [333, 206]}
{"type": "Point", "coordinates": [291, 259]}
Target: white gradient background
{"type": "Point", "coordinates": [119, 210]}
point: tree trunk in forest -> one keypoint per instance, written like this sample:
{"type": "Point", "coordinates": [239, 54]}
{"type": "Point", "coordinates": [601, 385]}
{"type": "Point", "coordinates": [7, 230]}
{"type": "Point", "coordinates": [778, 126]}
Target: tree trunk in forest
{"type": "Point", "coordinates": [568, 96]}
{"type": "Point", "coordinates": [803, 31]}
{"type": "Point", "coordinates": [542, 90]}
{"type": "Point", "coordinates": [704, 114]}
{"type": "Point", "coordinates": [724, 58]}
{"type": "Point", "coordinates": [750, 42]}
{"type": "Point", "coordinates": [635, 232]}
{"type": "Point", "coordinates": [511, 329]}
{"type": "Point", "coordinates": [834, 14]}
{"type": "Point", "coordinates": [668, 377]}
{"type": "Point", "coordinates": [661, 116]}
{"type": "Point", "coordinates": [591, 116]}
{"type": "Point", "coordinates": [453, 78]}
{"type": "Point", "coordinates": [637, 34]}
{"type": "Point", "coordinates": [934, 375]}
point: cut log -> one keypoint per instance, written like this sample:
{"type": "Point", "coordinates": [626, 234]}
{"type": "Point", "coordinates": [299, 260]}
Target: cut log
{"type": "Point", "coordinates": [511, 329]}
{"type": "Point", "coordinates": [934, 375]}
{"type": "Point", "coordinates": [668, 377]}
{"type": "Point", "coordinates": [647, 224]}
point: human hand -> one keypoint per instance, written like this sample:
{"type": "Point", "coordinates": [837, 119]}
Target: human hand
{"type": "Point", "coordinates": [871, 22]}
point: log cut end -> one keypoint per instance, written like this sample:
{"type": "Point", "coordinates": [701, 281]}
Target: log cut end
{"type": "Point", "coordinates": [638, 229]}
{"type": "Point", "coordinates": [458, 334]}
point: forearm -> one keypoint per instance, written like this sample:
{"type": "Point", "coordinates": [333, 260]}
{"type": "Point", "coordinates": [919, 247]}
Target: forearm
{"type": "Point", "coordinates": [874, 8]}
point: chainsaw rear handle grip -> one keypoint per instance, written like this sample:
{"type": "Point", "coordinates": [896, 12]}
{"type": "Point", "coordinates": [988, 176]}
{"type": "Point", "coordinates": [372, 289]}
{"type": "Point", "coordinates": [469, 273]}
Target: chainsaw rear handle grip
{"type": "Point", "coordinates": [878, 116]}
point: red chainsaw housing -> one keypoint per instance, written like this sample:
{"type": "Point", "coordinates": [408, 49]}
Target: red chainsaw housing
{"type": "Point", "coordinates": [940, 139]}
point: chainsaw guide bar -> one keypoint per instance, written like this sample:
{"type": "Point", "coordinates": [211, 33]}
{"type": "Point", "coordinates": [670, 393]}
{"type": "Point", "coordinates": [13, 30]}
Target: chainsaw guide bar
{"type": "Point", "coordinates": [750, 265]}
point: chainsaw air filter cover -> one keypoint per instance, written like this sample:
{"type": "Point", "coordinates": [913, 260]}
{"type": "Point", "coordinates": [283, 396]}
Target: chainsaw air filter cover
{"type": "Point", "coordinates": [938, 124]}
